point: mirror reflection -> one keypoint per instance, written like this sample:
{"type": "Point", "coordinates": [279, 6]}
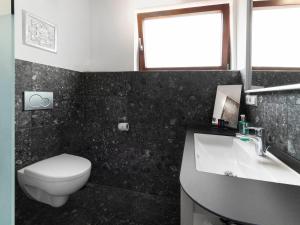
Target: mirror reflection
{"type": "Point", "coordinates": [275, 43]}
{"type": "Point", "coordinates": [227, 105]}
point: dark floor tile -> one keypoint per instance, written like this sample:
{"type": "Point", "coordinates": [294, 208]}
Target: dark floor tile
{"type": "Point", "coordinates": [100, 205]}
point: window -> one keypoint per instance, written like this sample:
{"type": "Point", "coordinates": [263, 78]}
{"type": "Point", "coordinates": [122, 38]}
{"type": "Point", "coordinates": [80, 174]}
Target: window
{"type": "Point", "coordinates": [182, 39]}
{"type": "Point", "coordinates": [275, 36]}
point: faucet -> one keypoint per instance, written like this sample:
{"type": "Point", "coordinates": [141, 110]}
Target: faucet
{"type": "Point", "coordinates": [258, 139]}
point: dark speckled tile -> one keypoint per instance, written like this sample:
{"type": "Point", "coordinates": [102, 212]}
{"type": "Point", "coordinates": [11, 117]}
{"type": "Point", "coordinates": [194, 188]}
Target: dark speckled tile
{"type": "Point", "coordinates": [110, 84]}
{"type": "Point", "coordinates": [164, 214]}
{"type": "Point", "coordinates": [293, 125]}
{"type": "Point", "coordinates": [40, 134]}
{"type": "Point", "coordinates": [275, 78]}
{"type": "Point", "coordinates": [158, 107]}
{"type": "Point", "coordinates": [102, 205]}
{"type": "Point", "coordinates": [23, 76]}
{"type": "Point", "coordinates": [173, 84]}
{"type": "Point", "coordinates": [145, 168]}
{"type": "Point", "coordinates": [23, 119]}
{"type": "Point", "coordinates": [35, 144]}
{"type": "Point", "coordinates": [275, 123]}
{"type": "Point", "coordinates": [46, 133]}
{"type": "Point", "coordinates": [23, 151]}
{"type": "Point", "coordinates": [278, 113]}
{"type": "Point", "coordinates": [140, 168]}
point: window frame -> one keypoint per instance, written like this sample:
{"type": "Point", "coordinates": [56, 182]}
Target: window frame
{"type": "Point", "coordinates": [224, 8]}
{"type": "Point", "coordinates": [275, 3]}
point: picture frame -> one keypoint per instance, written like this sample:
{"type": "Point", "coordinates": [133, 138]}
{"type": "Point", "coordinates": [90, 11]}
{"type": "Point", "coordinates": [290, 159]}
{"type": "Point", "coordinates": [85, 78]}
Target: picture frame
{"type": "Point", "coordinates": [39, 33]}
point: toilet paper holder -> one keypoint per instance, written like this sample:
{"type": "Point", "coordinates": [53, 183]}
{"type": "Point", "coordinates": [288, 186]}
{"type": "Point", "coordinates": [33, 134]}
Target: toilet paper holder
{"type": "Point", "coordinates": [123, 125]}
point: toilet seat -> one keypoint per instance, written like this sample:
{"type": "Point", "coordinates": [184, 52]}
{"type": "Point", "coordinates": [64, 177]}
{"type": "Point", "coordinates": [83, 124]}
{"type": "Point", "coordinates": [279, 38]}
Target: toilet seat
{"type": "Point", "coordinates": [59, 168]}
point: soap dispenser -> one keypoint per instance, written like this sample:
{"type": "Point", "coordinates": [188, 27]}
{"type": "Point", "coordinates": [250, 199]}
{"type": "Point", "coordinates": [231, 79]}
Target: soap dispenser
{"type": "Point", "coordinates": [243, 125]}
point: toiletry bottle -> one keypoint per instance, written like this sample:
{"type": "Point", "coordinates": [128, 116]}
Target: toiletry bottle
{"type": "Point", "coordinates": [243, 125]}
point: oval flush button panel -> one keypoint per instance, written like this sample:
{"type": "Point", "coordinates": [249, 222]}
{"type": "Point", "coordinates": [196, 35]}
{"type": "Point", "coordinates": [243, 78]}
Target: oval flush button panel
{"type": "Point", "coordinates": [34, 100]}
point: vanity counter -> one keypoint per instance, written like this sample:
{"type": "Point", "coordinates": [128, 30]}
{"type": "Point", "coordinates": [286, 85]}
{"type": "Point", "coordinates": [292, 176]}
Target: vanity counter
{"type": "Point", "coordinates": [240, 200]}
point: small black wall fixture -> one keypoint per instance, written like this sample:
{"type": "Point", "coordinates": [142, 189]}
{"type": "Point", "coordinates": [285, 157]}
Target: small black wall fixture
{"type": "Point", "coordinates": [12, 6]}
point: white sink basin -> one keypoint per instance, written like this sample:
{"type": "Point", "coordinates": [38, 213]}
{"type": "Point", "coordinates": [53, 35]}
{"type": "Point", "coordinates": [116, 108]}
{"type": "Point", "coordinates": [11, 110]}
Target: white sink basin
{"type": "Point", "coordinates": [225, 155]}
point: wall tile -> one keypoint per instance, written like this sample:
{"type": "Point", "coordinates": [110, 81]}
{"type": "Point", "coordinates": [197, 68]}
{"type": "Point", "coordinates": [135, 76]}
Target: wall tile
{"type": "Point", "coordinates": [24, 76]}
{"type": "Point", "coordinates": [293, 125]}
{"type": "Point", "coordinates": [278, 113]}
{"type": "Point", "coordinates": [103, 205]}
{"type": "Point", "coordinates": [158, 107]}
{"type": "Point", "coordinates": [40, 134]}
{"type": "Point", "coordinates": [135, 174]}
{"type": "Point", "coordinates": [111, 84]}
{"type": "Point", "coordinates": [275, 78]}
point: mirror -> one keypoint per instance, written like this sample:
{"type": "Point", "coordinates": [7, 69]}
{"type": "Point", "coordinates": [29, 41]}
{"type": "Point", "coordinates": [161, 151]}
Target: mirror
{"type": "Point", "coordinates": [275, 43]}
{"type": "Point", "coordinates": [227, 105]}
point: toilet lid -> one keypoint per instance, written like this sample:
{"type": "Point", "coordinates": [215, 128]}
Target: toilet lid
{"type": "Point", "coordinates": [61, 167]}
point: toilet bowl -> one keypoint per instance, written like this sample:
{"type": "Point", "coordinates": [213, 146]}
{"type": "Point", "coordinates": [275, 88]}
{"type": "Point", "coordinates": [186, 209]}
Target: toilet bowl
{"type": "Point", "coordinates": [53, 180]}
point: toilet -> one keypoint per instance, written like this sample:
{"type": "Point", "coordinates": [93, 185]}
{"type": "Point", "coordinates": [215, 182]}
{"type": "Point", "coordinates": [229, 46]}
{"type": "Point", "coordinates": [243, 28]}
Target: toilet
{"type": "Point", "coordinates": [53, 180]}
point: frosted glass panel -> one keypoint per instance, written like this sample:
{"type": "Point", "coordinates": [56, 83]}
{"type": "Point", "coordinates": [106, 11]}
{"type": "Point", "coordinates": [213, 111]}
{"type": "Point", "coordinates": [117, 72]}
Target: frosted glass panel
{"type": "Point", "coordinates": [191, 40]}
{"type": "Point", "coordinates": [276, 35]}
{"type": "Point", "coordinates": [7, 116]}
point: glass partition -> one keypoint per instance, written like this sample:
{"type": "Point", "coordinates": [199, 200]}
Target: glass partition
{"type": "Point", "coordinates": [7, 90]}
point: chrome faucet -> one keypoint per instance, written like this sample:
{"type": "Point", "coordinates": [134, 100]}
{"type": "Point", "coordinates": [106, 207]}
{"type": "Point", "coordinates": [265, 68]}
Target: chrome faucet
{"type": "Point", "coordinates": [258, 139]}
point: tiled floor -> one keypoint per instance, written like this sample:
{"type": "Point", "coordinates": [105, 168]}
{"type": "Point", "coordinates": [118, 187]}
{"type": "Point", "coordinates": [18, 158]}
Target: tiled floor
{"type": "Point", "coordinates": [99, 205]}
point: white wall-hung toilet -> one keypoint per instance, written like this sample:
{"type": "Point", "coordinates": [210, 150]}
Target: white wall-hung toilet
{"type": "Point", "coordinates": [52, 180]}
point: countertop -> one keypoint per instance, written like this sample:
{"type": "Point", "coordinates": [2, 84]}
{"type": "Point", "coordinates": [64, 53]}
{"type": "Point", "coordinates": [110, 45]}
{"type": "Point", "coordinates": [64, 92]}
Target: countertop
{"type": "Point", "coordinates": [240, 200]}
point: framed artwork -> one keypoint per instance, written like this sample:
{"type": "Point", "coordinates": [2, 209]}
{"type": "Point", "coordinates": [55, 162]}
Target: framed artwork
{"type": "Point", "coordinates": [39, 33]}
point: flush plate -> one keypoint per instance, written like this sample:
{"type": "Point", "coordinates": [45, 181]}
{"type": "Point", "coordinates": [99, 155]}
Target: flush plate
{"type": "Point", "coordinates": [34, 100]}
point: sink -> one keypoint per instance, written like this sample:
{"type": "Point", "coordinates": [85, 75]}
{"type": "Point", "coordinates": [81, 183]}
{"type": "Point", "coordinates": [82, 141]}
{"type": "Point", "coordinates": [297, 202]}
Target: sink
{"type": "Point", "coordinates": [225, 155]}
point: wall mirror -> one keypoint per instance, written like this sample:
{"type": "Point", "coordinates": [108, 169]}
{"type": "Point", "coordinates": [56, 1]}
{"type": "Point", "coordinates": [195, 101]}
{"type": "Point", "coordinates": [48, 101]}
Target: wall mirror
{"type": "Point", "coordinates": [275, 44]}
{"type": "Point", "coordinates": [227, 105]}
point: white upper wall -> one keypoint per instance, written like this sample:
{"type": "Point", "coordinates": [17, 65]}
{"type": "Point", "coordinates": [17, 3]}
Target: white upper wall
{"type": "Point", "coordinates": [101, 35]}
{"type": "Point", "coordinates": [112, 35]}
{"type": "Point", "coordinates": [73, 21]}
{"type": "Point", "coordinates": [5, 7]}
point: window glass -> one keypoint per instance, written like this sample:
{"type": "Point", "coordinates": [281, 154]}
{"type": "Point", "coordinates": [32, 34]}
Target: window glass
{"type": "Point", "coordinates": [276, 36]}
{"type": "Point", "coordinates": [188, 38]}
{"type": "Point", "coordinates": [192, 40]}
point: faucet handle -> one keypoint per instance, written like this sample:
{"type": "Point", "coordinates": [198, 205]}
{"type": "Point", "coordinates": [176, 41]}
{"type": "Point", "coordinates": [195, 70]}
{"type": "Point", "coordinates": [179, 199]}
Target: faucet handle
{"type": "Point", "coordinates": [258, 130]}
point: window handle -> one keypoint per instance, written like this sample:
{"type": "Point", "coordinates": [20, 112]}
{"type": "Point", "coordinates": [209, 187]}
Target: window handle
{"type": "Point", "coordinates": [141, 47]}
